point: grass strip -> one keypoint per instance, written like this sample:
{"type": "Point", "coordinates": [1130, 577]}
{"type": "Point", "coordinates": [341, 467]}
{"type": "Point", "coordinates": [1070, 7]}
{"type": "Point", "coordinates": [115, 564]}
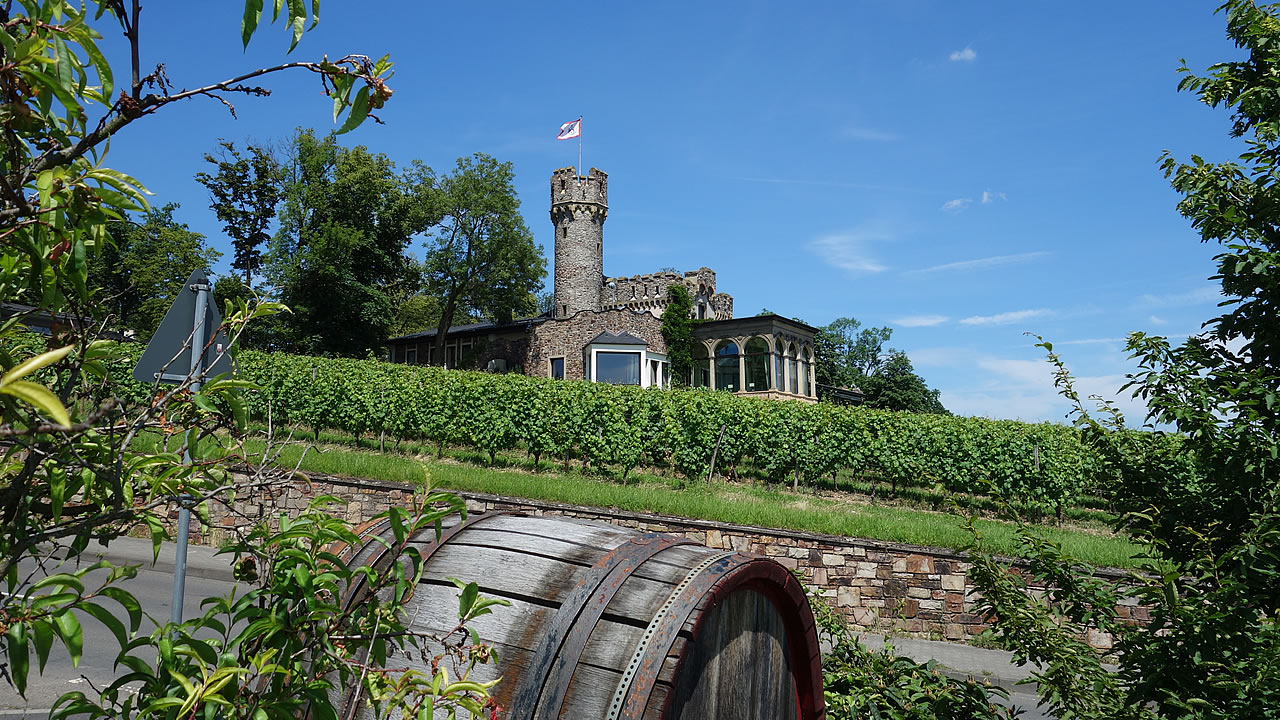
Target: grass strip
{"type": "Point", "coordinates": [719, 502]}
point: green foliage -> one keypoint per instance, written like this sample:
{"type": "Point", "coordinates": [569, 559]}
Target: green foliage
{"type": "Point", "coordinates": [347, 219]}
{"type": "Point", "coordinates": [845, 356]}
{"type": "Point", "coordinates": [291, 639]}
{"type": "Point", "coordinates": [1206, 506]}
{"type": "Point", "coordinates": [1044, 466]}
{"type": "Point", "coordinates": [481, 258]}
{"type": "Point", "coordinates": [244, 192]}
{"type": "Point", "coordinates": [862, 683]}
{"type": "Point", "coordinates": [142, 265]}
{"type": "Point", "coordinates": [70, 472]}
{"type": "Point", "coordinates": [677, 333]}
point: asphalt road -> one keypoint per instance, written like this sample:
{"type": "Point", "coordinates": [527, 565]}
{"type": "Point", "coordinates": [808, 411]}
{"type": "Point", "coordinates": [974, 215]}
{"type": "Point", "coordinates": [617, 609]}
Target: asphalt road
{"type": "Point", "coordinates": [153, 587]}
{"type": "Point", "coordinates": [210, 576]}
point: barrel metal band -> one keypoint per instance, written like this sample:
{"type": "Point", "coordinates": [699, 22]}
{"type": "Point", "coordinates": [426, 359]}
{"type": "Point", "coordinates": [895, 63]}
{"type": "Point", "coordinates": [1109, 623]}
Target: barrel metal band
{"type": "Point", "coordinates": [546, 683]}
{"type": "Point", "coordinates": [661, 633]}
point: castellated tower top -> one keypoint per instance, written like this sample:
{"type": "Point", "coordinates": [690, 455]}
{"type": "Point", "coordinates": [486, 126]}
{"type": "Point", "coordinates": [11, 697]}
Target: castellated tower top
{"type": "Point", "coordinates": [579, 206]}
{"type": "Point", "coordinates": [568, 186]}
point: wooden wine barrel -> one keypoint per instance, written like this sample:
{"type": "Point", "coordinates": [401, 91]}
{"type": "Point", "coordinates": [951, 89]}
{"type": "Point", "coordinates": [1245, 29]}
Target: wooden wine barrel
{"type": "Point", "coordinates": [610, 623]}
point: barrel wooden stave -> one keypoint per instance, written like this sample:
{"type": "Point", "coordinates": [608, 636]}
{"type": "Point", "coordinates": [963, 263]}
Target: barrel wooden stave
{"type": "Point", "coordinates": [535, 564]}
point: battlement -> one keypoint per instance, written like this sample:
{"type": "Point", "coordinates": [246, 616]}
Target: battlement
{"type": "Point", "coordinates": [649, 292]}
{"type": "Point", "coordinates": [567, 186]}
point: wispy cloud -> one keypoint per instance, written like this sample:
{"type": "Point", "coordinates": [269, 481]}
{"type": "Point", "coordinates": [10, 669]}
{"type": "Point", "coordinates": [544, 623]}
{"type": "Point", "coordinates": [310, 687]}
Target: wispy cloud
{"type": "Point", "coordinates": [855, 132]}
{"type": "Point", "coordinates": [1199, 296]}
{"type": "Point", "coordinates": [920, 320]}
{"type": "Point", "coordinates": [957, 204]}
{"type": "Point", "coordinates": [1157, 320]}
{"type": "Point", "coordinates": [986, 262]}
{"type": "Point", "coordinates": [848, 251]}
{"type": "Point", "coordinates": [965, 55]}
{"type": "Point", "coordinates": [989, 197]}
{"type": "Point", "coordinates": [1004, 318]}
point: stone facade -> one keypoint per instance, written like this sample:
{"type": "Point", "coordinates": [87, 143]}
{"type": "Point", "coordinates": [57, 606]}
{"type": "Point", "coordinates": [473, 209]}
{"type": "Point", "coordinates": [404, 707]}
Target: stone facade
{"type": "Point", "coordinates": [877, 586]}
{"type": "Point", "coordinates": [579, 207]}
{"type": "Point", "coordinates": [567, 337]}
{"type": "Point", "coordinates": [649, 293]}
{"type": "Point", "coordinates": [586, 304]}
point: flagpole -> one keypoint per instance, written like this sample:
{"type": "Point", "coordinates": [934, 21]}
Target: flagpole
{"type": "Point", "coordinates": [579, 146]}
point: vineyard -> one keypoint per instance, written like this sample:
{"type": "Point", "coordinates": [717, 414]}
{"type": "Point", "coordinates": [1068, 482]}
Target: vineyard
{"type": "Point", "coordinates": [615, 429]}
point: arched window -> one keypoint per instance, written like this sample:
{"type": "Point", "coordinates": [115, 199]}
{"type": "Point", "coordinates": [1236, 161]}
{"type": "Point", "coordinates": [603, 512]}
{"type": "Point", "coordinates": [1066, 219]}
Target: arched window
{"type": "Point", "coordinates": [806, 370]}
{"type": "Point", "coordinates": [701, 366]}
{"type": "Point", "coordinates": [757, 362]}
{"type": "Point", "coordinates": [727, 366]}
{"type": "Point", "coordinates": [779, 370]}
{"type": "Point", "coordinates": [792, 370]}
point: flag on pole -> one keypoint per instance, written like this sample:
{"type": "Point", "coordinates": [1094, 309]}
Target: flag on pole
{"type": "Point", "coordinates": [570, 130]}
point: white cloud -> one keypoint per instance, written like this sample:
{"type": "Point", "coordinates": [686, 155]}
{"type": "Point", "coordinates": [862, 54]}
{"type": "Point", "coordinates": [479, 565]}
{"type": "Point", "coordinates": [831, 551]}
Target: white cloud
{"type": "Point", "coordinates": [921, 320]}
{"type": "Point", "coordinates": [1021, 389]}
{"type": "Point", "coordinates": [854, 132]}
{"type": "Point", "coordinates": [848, 251]}
{"type": "Point", "coordinates": [989, 197]}
{"type": "Point", "coordinates": [1004, 318]}
{"type": "Point", "coordinates": [1157, 320]}
{"type": "Point", "coordinates": [1199, 296]}
{"type": "Point", "coordinates": [965, 55]}
{"type": "Point", "coordinates": [957, 204]}
{"type": "Point", "coordinates": [986, 262]}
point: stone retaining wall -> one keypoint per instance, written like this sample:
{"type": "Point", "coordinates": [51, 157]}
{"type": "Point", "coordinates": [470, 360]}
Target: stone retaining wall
{"type": "Point", "coordinates": [879, 586]}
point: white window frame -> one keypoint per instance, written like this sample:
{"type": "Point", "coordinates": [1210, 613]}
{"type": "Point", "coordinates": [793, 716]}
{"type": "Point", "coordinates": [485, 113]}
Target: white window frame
{"type": "Point", "coordinates": [645, 357]}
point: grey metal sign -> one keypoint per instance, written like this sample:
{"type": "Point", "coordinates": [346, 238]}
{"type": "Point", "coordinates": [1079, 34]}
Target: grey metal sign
{"type": "Point", "coordinates": [168, 356]}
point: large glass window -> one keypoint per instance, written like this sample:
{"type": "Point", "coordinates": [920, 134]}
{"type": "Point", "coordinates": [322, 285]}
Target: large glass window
{"type": "Point", "coordinates": [701, 367]}
{"type": "Point", "coordinates": [757, 361]}
{"type": "Point", "coordinates": [792, 370]}
{"type": "Point", "coordinates": [727, 366]}
{"type": "Point", "coordinates": [557, 368]}
{"type": "Point", "coordinates": [618, 368]}
{"type": "Point", "coordinates": [779, 370]}
{"type": "Point", "coordinates": [804, 372]}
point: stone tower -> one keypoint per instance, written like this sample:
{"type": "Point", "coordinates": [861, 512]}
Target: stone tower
{"type": "Point", "coordinates": [578, 209]}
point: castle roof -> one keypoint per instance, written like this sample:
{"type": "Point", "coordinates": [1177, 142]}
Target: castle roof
{"type": "Point", "coordinates": [473, 328]}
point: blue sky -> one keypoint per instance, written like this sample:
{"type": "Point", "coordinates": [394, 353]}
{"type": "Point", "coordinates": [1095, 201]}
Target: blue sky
{"type": "Point", "coordinates": [961, 172]}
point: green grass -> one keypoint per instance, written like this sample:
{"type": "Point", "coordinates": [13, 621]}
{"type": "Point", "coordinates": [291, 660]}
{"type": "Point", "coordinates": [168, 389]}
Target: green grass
{"type": "Point", "coordinates": [737, 503]}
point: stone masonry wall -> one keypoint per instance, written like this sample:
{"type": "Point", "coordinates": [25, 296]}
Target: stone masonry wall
{"type": "Point", "coordinates": [649, 292]}
{"type": "Point", "coordinates": [567, 337]}
{"type": "Point", "coordinates": [878, 586]}
{"type": "Point", "coordinates": [579, 207]}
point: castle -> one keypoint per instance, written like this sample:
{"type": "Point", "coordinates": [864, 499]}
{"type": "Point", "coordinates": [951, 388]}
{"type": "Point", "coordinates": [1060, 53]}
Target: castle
{"type": "Point", "coordinates": [609, 329]}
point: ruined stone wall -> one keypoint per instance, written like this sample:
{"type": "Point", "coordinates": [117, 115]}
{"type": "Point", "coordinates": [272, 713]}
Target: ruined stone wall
{"type": "Point", "coordinates": [569, 336]}
{"type": "Point", "coordinates": [649, 292]}
{"type": "Point", "coordinates": [877, 586]}
{"type": "Point", "coordinates": [579, 207]}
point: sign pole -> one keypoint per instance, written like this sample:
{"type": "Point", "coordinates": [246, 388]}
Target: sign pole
{"type": "Point", "coordinates": [201, 289]}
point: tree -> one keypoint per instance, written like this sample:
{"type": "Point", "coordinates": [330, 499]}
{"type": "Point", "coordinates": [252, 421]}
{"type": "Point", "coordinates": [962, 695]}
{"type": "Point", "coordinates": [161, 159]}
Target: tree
{"type": "Point", "coordinates": [1205, 506]}
{"type": "Point", "coordinates": [244, 192]}
{"type": "Point", "coordinates": [142, 266]}
{"type": "Point", "coordinates": [339, 259]}
{"type": "Point", "coordinates": [677, 333]}
{"type": "Point", "coordinates": [849, 355]}
{"type": "Point", "coordinates": [78, 463]}
{"type": "Point", "coordinates": [896, 386]}
{"type": "Point", "coordinates": [481, 256]}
